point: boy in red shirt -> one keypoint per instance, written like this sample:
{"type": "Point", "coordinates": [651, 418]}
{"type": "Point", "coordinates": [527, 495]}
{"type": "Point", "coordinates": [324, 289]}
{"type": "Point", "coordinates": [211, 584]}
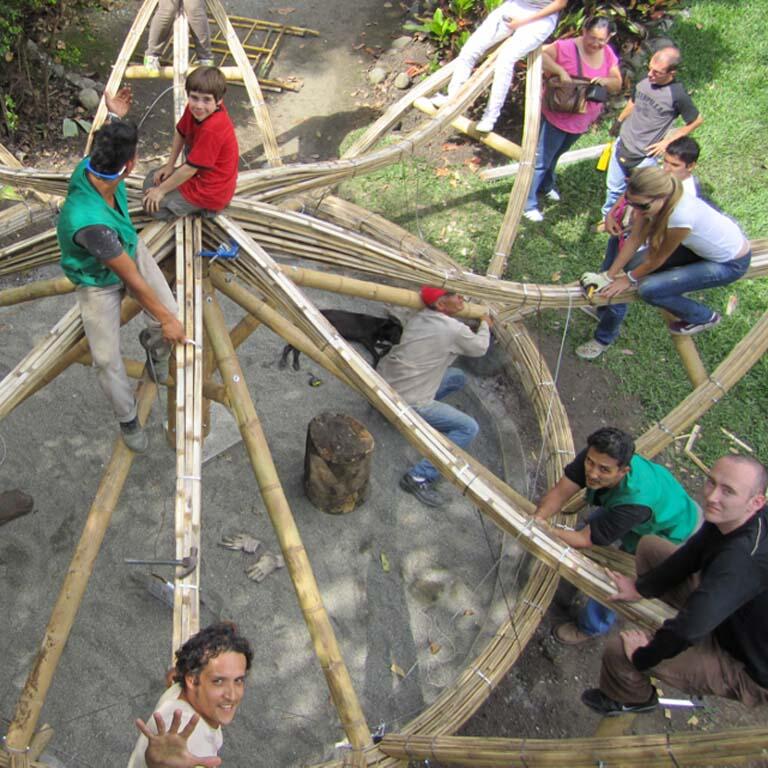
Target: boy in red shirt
{"type": "Point", "coordinates": [206, 180]}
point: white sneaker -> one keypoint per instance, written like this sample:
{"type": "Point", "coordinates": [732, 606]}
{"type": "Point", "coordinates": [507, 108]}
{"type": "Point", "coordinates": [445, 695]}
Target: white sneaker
{"type": "Point", "coordinates": [553, 195]}
{"type": "Point", "coordinates": [438, 99]}
{"type": "Point", "coordinates": [534, 215]}
{"type": "Point", "coordinates": [152, 63]}
{"type": "Point", "coordinates": [590, 350]}
{"type": "Point", "coordinates": [485, 125]}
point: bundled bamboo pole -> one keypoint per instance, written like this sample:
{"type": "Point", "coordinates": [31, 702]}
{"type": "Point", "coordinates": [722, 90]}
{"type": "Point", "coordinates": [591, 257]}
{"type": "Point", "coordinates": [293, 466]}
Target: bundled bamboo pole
{"type": "Point", "coordinates": [260, 111]}
{"type": "Point", "coordinates": [32, 697]}
{"type": "Point", "coordinates": [297, 562]}
{"type": "Point", "coordinates": [689, 355]}
{"type": "Point", "coordinates": [735, 747]}
{"type": "Point", "coordinates": [189, 427]}
{"type": "Point", "coordinates": [522, 185]}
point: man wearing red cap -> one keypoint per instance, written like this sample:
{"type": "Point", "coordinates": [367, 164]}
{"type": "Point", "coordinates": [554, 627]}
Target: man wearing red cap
{"type": "Point", "coordinates": [418, 368]}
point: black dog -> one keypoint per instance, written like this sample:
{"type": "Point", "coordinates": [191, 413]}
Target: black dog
{"type": "Point", "coordinates": [377, 334]}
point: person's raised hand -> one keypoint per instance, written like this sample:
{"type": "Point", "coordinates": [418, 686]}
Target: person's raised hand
{"type": "Point", "coordinates": [173, 330]}
{"type": "Point", "coordinates": [168, 749]}
{"type": "Point", "coordinates": [120, 103]}
{"type": "Point", "coordinates": [619, 285]}
{"type": "Point", "coordinates": [152, 199]}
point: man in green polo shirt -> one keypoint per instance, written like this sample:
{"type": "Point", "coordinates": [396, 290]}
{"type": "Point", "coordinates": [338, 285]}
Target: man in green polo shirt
{"type": "Point", "coordinates": [103, 255]}
{"type": "Point", "coordinates": [634, 497]}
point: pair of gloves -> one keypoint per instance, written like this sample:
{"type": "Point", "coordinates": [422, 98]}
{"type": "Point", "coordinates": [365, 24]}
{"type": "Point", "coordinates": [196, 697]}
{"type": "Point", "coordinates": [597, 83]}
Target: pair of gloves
{"type": "Point", "coordinates": [594, 282]}
{"type": "Point", "coordinates": [266, 564]}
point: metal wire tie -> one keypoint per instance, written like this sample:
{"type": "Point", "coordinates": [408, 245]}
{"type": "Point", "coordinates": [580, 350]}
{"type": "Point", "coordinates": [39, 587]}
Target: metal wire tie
{"type": "Point", "coordinates": [664, 428]}
{"type": "Point", "coordinates": [670, 753]}
{"type": "Point", "coordinates": [538, 607]}
{"type": "Point", "coordinates": [564, 554]}
{"type": "Point", "coordinates": [483, 677]}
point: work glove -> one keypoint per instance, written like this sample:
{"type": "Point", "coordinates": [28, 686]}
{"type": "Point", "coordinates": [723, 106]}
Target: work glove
{"type": "Point", "coordinates": [243, 541]}
{"type": "Point", "coordinates": [594, 281]}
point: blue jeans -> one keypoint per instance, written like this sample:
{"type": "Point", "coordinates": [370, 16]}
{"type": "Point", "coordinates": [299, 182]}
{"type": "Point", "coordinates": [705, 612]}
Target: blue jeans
{"type": "Point", "coordinates": [594, 618]}
{"type": "Point", "coordinates": [681, 273]}
{"type": "Point", "coordinates": [552, 143]}
{"type": "Point", "coordinates": [456, 425]}
{"type": "Point", "coordinates": [616, 179]}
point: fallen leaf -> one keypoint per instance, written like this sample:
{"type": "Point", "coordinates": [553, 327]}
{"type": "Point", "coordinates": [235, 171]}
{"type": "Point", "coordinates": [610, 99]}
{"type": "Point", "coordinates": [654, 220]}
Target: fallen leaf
{"type": "Point", "coordinates": [434, 647]}
{"type": "Point", "coordinates": [733, 302]}
{"type": "Point", "coordinates": [554, 277]}
{"type": "Point", "coordinates": [357, 47]}
{"type": "Point", "coordinates": [396, 669]}
{"type": "Point", "coordinates": [450, 146]}
{"type": "Point", "coordinates": [440, 172]}
{"type": "Point", "coordinates": [693, 721]}
{"type": "Point", "coordinates": [285, 11]}
{"type": "Point", "coordinates": [468, 612]}
{"type": "Point", "coordinates": [626, 352]}
{"type": "Point", "coordinates": [384, 563]}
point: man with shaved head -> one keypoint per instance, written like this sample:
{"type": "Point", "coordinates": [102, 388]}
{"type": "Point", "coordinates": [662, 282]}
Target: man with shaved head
{"type": "Point", "coordinates": [718, 641]}
{"type": "Point", "coordinates": [656, 102]}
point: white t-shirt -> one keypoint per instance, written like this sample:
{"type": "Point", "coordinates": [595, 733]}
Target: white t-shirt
{"type": "Point", "coordinates": [204, 741]}
{"type": "Point", "coordinates": [713, 236]}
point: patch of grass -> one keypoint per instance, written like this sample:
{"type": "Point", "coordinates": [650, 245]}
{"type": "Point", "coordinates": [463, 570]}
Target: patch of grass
{"type": "Point", "coordinates": [725, 54]}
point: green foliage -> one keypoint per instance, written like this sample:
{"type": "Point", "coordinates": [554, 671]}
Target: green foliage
{"type": "Point", "coordinates": [491, 5]}
{"type": "Point", "coordinates": [10, 114]}
{"type": "Point", "coordinates": [462, 8]}
{"type": "Point", "coordinates": [440, 27]}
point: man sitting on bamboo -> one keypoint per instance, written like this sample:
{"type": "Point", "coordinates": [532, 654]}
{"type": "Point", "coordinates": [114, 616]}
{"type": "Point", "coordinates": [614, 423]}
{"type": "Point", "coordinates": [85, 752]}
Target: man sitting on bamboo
{"type": "Point", "coordinates": [634, 497]}
{"type": "Point", "coordinates": [102, 254]}
{"type": "Point", "coordinates": [418, 368]}
{"type": "Point", "coordinates": [717, 643]}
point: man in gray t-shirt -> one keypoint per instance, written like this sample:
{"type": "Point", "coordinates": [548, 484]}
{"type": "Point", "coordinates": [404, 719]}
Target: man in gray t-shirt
{"type": "Point", "coordinates": [419, 369]}
{"type": "Point", "coordinates": [657, 101]}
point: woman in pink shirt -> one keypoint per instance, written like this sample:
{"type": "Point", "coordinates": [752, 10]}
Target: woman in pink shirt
{"type": "Point", "coordinates": [559, 130]}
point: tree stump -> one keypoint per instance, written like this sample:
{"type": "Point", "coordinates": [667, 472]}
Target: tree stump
{"type": "Point", "coordinates": [337, 463]}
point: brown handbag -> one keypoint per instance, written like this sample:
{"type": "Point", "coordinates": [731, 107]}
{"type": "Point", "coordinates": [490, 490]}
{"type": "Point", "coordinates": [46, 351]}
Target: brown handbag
{"type": "Point", "coordinates": [570, 97]}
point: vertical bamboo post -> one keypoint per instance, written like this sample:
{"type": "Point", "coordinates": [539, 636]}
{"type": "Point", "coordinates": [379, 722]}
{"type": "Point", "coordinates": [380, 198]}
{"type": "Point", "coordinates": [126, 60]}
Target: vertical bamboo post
{"type": "Point", "coordinates": [299, 568]}
{"type": "Point", "coordinates": [62, 619]}
{"type": "Point", "coordinates": [689, 354]}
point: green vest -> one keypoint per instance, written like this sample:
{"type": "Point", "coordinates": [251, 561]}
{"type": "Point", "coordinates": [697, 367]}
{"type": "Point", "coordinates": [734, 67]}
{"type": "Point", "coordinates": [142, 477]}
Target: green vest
{"type": "Point", "coordinates": [85, 207]}
{"type": "Point", "coordinates": [674, 514]}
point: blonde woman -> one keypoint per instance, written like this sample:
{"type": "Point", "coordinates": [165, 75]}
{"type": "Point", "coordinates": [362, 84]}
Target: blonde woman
{"type": "Point", "coordinates": [527, 24]}
{"type": "Point", "coordinates": [689, 246]}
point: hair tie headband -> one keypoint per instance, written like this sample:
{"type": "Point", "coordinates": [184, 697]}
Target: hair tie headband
{"type": "Point", "coordinates": [101, 174]}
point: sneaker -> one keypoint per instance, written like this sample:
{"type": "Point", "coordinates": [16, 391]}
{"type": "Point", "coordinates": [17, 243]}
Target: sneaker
{"type": "Point", "coordinates": [205, 63]}
{"type": "Point", "coordinates": [152, 63]}
{"type": "Point", "coordinates": [534, 214]}
{"type": "Point", "coordinates": [595, 699]}
{"type": "Point", "coordinates": [679, 328]}
{"type": "Point", "coordinates": [134, 435]}
{"type": "Point", "coordinates": [553, 195]}
{"type": "Point", "coordinates": [423, 490]}
{"type": "Point", "coordinates": [591, 350]}
{"type": "Point", "coordinates": [158, 354]}
{"type": "Point", "coordinates": [485, 125]}
{"type": "Point", "coordinates": [570, 634]}
{"type": "Point", "coordinates": [438, 99]}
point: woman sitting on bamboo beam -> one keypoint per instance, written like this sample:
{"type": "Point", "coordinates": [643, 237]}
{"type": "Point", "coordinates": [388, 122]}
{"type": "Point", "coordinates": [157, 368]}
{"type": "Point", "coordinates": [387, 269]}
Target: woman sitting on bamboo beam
{"type": "Point", "coordinates": [677, 244]}
{"type": "Point", "coordinates": [527, 24]}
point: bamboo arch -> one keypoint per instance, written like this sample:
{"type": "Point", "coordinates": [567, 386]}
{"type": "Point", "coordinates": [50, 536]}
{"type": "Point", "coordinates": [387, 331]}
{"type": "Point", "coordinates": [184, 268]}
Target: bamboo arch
{"type": "Point", "coordinates": [273, 209]}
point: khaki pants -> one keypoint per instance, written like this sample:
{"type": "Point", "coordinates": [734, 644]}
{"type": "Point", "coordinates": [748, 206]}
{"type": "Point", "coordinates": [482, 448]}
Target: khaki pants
{"type": "Point", "coordinates": [100, 311]}
{"type": "Point", "coordinates": [704, 668]}
{"type": "Point", "coordinates": [162, 23]}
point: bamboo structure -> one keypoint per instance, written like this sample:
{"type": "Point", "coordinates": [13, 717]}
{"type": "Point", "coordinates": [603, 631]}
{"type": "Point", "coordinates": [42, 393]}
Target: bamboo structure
{"type": "Point", "coordinates": [274, 213]}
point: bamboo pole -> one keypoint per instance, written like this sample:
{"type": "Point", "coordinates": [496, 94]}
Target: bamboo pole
{"type": "Point", "coordinates": [70, 597]}
{"type": "Point", "coordinates": [297, 562]}
{"type": "Point", "coordinates": [137, 72]}
{"type": "Point", "coordinates": [57, 286]}
{"type": "Point", "coordinates": [465, 125]}
{"type": "Point", "coordinates": [143, 16]}
{"type": "Point", "coordinates": [689, 354]}
{"type": "Point", "coordinates": [734, 747]}
{"type": "Point", "coordinates": [519, 193]}
{"type": "Point", "coordinates": [250, 81]}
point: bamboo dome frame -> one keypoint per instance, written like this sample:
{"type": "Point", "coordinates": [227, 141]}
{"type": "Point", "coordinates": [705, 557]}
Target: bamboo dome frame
{"type": "Point", "coordinates": [273, 209]}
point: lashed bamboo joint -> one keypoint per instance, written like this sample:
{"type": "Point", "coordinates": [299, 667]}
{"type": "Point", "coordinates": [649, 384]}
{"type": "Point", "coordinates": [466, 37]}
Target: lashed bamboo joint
{"type": "Point", "coordinates": [273, 211]}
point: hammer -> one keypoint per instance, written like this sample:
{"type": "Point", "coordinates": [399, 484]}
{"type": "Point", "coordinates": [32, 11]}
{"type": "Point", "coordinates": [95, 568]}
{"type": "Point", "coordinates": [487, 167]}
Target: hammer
{"type": "Point", "coordinates": [187, 564]}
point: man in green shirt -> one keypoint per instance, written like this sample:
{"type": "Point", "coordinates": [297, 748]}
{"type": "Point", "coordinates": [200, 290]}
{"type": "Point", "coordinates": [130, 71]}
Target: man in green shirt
{"type": "Point", "coordinates": [634, 497]}
{"type": "Point", "coordinates": [102, 254]}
